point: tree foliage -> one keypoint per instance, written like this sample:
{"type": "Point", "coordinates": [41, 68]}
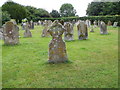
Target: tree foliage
{"type": "Point", "coordinates": [16, 11]}
{"type": "Point", "coordinates": [67, 10]}
{"type": "Point", "coordinates": [103, 8]}
{"type": "Point", "coordinates": [55, 14]}
{"type": "Point", "coordinates": [5, 16]}
{"type": "Point", "coordinates": [34, 13]}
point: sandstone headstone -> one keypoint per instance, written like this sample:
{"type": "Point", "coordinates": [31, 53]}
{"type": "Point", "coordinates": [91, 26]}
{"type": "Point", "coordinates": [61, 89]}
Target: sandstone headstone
{"type": "Point", "coordinates": [27, 32]}
{"type": "Point", "coordinates": [10, 33]}
{"type": "Point", "coordinates": [44, 32]}
{"type": "Point", "coordinates": [68, 34]}
{"type": "Point", "coordinates": [103, 28]}
{"type": "Point", "coordinates": [109, 23]}
{"type": "Point", "coordinates": [82, 30]}
{"type": "Point", "coordinates": [57, 48]}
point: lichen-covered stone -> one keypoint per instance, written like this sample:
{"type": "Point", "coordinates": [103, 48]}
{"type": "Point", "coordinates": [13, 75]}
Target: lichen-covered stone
{"type": "Point", "coordinates": [27, 32]}
{"type": "Point", "coordinates": [82, 30]}
{"type": "Point", "coordinates": [103, 28]}
{"type": "Point", "coordinates": [10, 33]}
{"type": "Point", "coordinates": [68, 34]}
{"type": "Point", "coordinates": [57, 48]}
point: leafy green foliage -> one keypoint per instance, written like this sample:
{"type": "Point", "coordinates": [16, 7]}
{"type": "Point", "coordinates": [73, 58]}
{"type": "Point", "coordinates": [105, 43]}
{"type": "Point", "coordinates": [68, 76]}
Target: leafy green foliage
{"type": "Point", "coordinates": [5, 17]}
{"type": "Point", "coordinates": [67, 10]}
{"type": "Point", "coordinates": [103, 8]}
{"type": "Point", "coordinates": [35, 14]}
{"type": "Point", "coordinates": [55, 14]}
{"type": "Point", "coordinates": [15, 10]}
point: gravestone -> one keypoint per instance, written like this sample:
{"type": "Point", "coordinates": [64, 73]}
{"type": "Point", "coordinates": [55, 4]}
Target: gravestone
{"type": "Point", "coordinates": [31, 24]}
{"type": "Point", "coordinates": [44, 32]}
{"type": "Point", "coordinates": [109, 23]}
{"type": "Point", "coordinates": [27, 32]}
{"type": "Point", "coordinates": [82, 30]}
{"type": "Point", "coordinates": [68, 34]}
{"type": "Point", "coordinates": [99, 23]}
{"type": "Point", "coordinates": [57, 47]}
{"type": "Point", "coordinates": [115, 24]}
{"type": "Point", "coordinates": [88, 22]}
{"type": "Point", "coordinates": [103, 28]}
{"type": "Point", "coordinates": [10, 33]}
{"type": "Point", "coordinates": [1, 33]}
{"type": "Point", "coordinates": [95, 23]}
{"type": "Point", "coordinates": [91, 29]}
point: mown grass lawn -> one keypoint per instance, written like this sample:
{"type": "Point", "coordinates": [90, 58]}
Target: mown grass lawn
{"type": "Point", "coordinates": [93, 62]}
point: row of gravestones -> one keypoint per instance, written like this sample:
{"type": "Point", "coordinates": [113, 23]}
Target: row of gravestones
{"type": "Point", "coordinates": [57, 47]}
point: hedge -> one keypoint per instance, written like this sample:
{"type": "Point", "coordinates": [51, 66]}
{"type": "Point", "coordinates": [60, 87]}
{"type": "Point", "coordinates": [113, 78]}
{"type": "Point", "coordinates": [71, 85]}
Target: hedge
{"type": "Point", "coordinates": [92, 18]}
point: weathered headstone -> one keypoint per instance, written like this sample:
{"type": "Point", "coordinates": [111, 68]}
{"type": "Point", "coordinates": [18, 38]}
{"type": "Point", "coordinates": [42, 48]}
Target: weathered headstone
{"type": "Point", "coordinates": [57, 48]}
{"type": "Point", "coordinates": [99, 23]}
{"type": "Point", "coordinates": [95, 23]}
{"type": "Point", "coordinates": [27, 32]}
{"type": "Point", "coordinates": [1, 33]}
{"type": "Point", "coordinates": [109, 23]}
{"type": "Point", "coordinates": [91, 29]}
{"type": "Point", "coordinates": [115, 24]}
{"type": "Point", "coordinates": [44, 32]}
{"type": "Point", "coordinates": [82, 30]}
{"type": "Point", "coordinates": [88, 22]}
{"type": "Point", "coordinates": [103, 28]}
{"type": "Point", "coordinates": [31, 24]}
{"type": "Point", "coordinates": [68, 34]}
{"type": "Point", "coordinates": [10, 33]}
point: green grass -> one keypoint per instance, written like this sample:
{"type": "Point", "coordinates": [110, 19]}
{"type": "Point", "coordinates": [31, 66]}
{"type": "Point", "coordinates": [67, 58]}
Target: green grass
{"type": "Point", "coordinates": [93, 62]}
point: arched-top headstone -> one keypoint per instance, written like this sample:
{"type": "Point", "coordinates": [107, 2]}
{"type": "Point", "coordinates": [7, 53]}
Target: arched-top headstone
{"type": "Point", "coordinates": [103, 28]}
{"type": "Point", "coordinates": [82, 30]}
{"type": "Point", "coordinates": [10, 33]}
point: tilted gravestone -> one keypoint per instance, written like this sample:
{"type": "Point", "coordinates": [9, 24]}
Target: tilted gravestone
{"type": "Point", "coordinates": [82, 30]}
{"type": "Point", "coordinates": [103, 28]}
{"type": "Point", "coordinates": [57, 47]}
{"type": "Point", "coordinates": [10, 33]}
{"type": "Point", "coordinates": [68, 34]}
{"type": "Point", "coordinates": [44, 32]}
{"type": "Point", "coordinates": [27, 32]}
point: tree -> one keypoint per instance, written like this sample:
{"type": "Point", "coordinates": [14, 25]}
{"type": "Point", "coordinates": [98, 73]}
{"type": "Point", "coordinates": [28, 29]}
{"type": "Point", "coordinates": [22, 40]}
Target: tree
{"type": "Point", "coordinates": [67, 10]}
{"type": "Point", "coordinates": [55, 14]}
{"type": "Point", "coordinates": [103, 8]}
{"type": "Point", "coordinates": [16, 11]}
{"type": "Point", "coordinates": [5, 17]}
{"type": "Point", "coordinates": [35, 14]}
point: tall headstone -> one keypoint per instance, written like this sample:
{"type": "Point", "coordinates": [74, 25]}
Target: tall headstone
{"type": "Point", "coordinates": [68, 34]}
{"type": "Point", "coordinates": [95, 23]}
{"type": "Point", "coordinates": [88, 22]}
{"type": "Point", "coordinates": [57, 47]}
{"type": "Point", "coordinates": [10, 33]}
{"type": "Point", "coordinates": [1, 33]}
{"type": "Point", "coordinates": [99, 23]}
{"type": "Point", "coordinates": [27, 32]}
{"type": "Point", "coordinates": [44, 32]}
{"type": "Point", "coordinates": [31, 24]}
{"type": "Point", "coordinates": [82, 30]}
{"type": "Point", "coordinates": [103, 28]}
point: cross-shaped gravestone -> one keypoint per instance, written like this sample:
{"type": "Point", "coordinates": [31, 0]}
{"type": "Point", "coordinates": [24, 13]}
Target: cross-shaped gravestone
{"type": "Point", "coordinates": [57, 48]}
